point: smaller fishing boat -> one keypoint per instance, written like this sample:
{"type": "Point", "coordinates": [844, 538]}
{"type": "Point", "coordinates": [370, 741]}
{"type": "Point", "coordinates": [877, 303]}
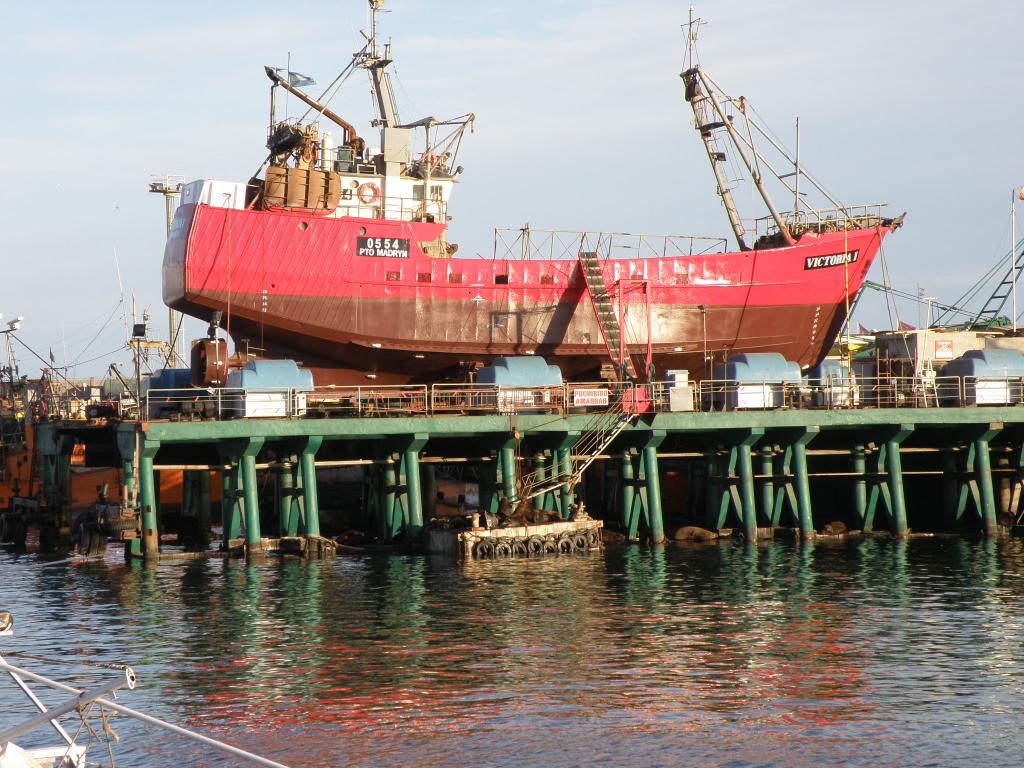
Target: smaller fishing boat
{"type": "Point", "coordinates": [92, 707]}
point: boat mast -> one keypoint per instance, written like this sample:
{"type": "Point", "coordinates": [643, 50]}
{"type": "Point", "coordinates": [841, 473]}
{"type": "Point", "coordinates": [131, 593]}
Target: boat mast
{"type": "Point", "coordinates": [699, 91]}
{"type": "Point", "coordinates": [376, 65]}
{"type": "Point", "coordinates": [704, 124]}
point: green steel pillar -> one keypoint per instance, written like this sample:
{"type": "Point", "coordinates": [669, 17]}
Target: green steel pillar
{"type": "Point", "coordinates": [630, 512]}
{"type": "Point", "coordinates": [983, 465]}
{"type": "Point", "coordinates": [566, 495]}
{"type": "Point", "coordinates": [47, 475]}
{"type": "Point", "coordinates": [126, 447]}
{"type": "Point", "coordinates": [541, 475]}
{"type": "Point", "coordinates": [715, 502]}
{"type": "Point", "coordinates": [950, 489]}
{"type": "Point", "coordinates": [298, 499]}
{"type": "Point", "coordinates": [489, 473]}
{"type": "Point", "coordinates": [287, 520]}
{"type": "Point", "coordinates": [732, 483]}
{"type": "Point", "coordinates": [230, 516]}
{"type": "Point", "coordinates": [899, 506]}
{"type": "Point", "coordinates": [128, 486]}
{"type": "Point", "coordinates": [878, 495]}
{"type": "Point", "coordinates": [803, 490]}
{"type": "Point", "coordinates": [310, 502]}
{"type": "Point", "coordinates": [766, 455]}
{"type": "Point", "coordinates": [253, 535]}
{"type": "Point", "coordinates": [655, 520]}
{"type": "Point", "coordinates": [392, 511]}
{"type": "Point", "coordinates": [65, 447]}
{"type": "Point", "coordinates": [428, 481]}
{"type": "Point", "coordinates": [203, 504]}
{"type": "Point", "coordinates": [860, 483]}
{"type": "Point", "coordinates": [148, 501]}
{"type": "Point", "coordinates": [802, 481]}
{"type": "Point", "coordinates": [746, 468]}
{"type": "Point", "coordinates": [894, 466]}
{"type": "Point", "coordinates": [1005, 493]}
{"type": "Point", "coordinates": [414, 528]}
{"type": "Point", "coordinates": [188, 500]}
{"type": "Point", "coordinates": [508, 472]}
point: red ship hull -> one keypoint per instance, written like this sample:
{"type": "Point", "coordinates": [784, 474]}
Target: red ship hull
{"type": "Point", "coordinates": [296, 286]}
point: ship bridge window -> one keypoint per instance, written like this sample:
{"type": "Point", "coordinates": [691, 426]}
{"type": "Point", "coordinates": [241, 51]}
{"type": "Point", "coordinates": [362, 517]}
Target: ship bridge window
{"type": "Point", "coordinates": [455, 277]}
{"type": "Point", "coordinates": [423, 277]}
{"type": "Point", "coordinates": [547, 279]}
{"type": "Point", "coordinates": [501, 279]}
{"type": "Point", "coordinates": [392, 275]}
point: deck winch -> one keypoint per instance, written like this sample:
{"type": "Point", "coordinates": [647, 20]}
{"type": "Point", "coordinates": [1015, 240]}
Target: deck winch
{"type": "Point", "coordinates": [987, 377]}
{"type": "Point", "coordinates": [753, 380]}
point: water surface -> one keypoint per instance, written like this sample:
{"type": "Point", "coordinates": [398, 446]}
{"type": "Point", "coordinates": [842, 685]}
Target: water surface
{"type": "Point", "coordinates": [872, 652]}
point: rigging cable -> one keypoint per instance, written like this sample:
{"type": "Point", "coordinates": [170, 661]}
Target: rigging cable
{"type": "Point", "coordinates": [97, 334]}
{"type": "Point", "coordinates": [46, 365]}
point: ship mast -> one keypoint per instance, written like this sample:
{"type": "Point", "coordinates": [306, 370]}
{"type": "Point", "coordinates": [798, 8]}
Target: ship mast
{"type": "Point", "coordinates": [376, 65]}
{"type": "Point", "coordinates": [700, 93]}
{"type": "Point", "coordinates": [704, 124]}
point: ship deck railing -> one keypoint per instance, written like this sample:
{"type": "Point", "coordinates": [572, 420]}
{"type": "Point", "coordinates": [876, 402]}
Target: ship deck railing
{"type": "Point", "coordinates": [527, 244]}
{"type": "Point", "coordinates": [392, 208]}
{"type": "Point", "coordinates": [822, 220]}
{"type": "Point", "coordinates": [708, 395]}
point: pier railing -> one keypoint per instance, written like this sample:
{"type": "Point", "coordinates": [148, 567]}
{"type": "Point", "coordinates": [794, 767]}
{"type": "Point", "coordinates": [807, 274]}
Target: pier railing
{"type": "Point", "coordinates": [382, 400]}
{"type": "Point", "coordinates": [528, 244]}
{"type": "Point", "coordinates": [709, 395]}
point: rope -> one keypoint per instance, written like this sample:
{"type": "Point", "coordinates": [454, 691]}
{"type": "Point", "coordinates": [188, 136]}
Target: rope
{"type": "Point", "coordinates": [97, 334]}
{"type": "Point", "coordinates": [76, 661]}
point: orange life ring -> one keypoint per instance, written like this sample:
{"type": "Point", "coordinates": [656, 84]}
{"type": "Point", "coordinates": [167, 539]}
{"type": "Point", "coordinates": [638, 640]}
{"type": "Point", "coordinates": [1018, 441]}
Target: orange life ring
{"type": "Point", "coordinates": [368, 193]}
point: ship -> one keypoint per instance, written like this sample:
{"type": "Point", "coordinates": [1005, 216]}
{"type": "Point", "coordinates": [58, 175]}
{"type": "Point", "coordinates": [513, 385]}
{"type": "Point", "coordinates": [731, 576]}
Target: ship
{"type": "Point", "coordinates": [338, 256]}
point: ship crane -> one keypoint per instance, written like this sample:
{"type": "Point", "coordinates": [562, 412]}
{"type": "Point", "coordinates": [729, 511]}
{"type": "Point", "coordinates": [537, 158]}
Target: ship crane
{"type": "Point", "coordinates": [723, 120]}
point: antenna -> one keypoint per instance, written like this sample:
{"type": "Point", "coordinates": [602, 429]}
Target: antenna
{"type": "Point", "coordinates": [375, 6]}
{"type": "Point", "coordinates": [691, 38]}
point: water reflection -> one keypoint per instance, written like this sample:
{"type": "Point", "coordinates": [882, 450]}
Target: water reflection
{"type": "Point", "coordinates": [765, 653]}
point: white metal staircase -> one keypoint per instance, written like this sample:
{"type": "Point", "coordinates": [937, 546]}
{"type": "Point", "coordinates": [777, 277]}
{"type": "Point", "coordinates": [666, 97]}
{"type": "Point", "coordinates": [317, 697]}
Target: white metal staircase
{"type": "Point", "coordinates": [607, 319]}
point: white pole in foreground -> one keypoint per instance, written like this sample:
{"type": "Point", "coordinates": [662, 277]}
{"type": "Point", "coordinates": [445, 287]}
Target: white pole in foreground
{"type": "Point", "coordinates": [249, 756]}
{"type": "Point", "coordinates": [96, 695]}
{"type": "Point", "coordinates": [1013, 254]}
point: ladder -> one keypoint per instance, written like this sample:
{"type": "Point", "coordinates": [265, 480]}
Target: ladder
{"type": "Point", "coordinates": [607, 319]}
{"type": "Point", "coordinates": [604, 426]}
{"type": "Point", "coordinates": [1002, 292]}
{"type": "Point", "coordinates": [600, 432]}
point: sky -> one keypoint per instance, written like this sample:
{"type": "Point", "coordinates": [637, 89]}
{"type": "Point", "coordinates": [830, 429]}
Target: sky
{"type": "Point", "coordinates": [580, 124]}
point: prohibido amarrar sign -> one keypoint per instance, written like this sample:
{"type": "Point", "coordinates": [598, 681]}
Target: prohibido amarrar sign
{"type": "Point", "coordinates": [383, 247]}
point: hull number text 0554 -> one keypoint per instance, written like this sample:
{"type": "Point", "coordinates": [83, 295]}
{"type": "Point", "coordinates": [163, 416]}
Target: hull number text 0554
{"type": "Point", "coordinates": [384, 247]}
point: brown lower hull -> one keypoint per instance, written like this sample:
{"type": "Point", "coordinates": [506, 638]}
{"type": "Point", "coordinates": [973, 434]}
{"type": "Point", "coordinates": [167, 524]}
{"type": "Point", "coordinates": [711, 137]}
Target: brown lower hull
{"type": "Point", "coordinates": [459, 338]}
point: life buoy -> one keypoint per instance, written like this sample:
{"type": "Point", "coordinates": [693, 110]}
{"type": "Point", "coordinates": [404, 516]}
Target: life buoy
{"type": "Point", "coordinates": [368, 193]}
